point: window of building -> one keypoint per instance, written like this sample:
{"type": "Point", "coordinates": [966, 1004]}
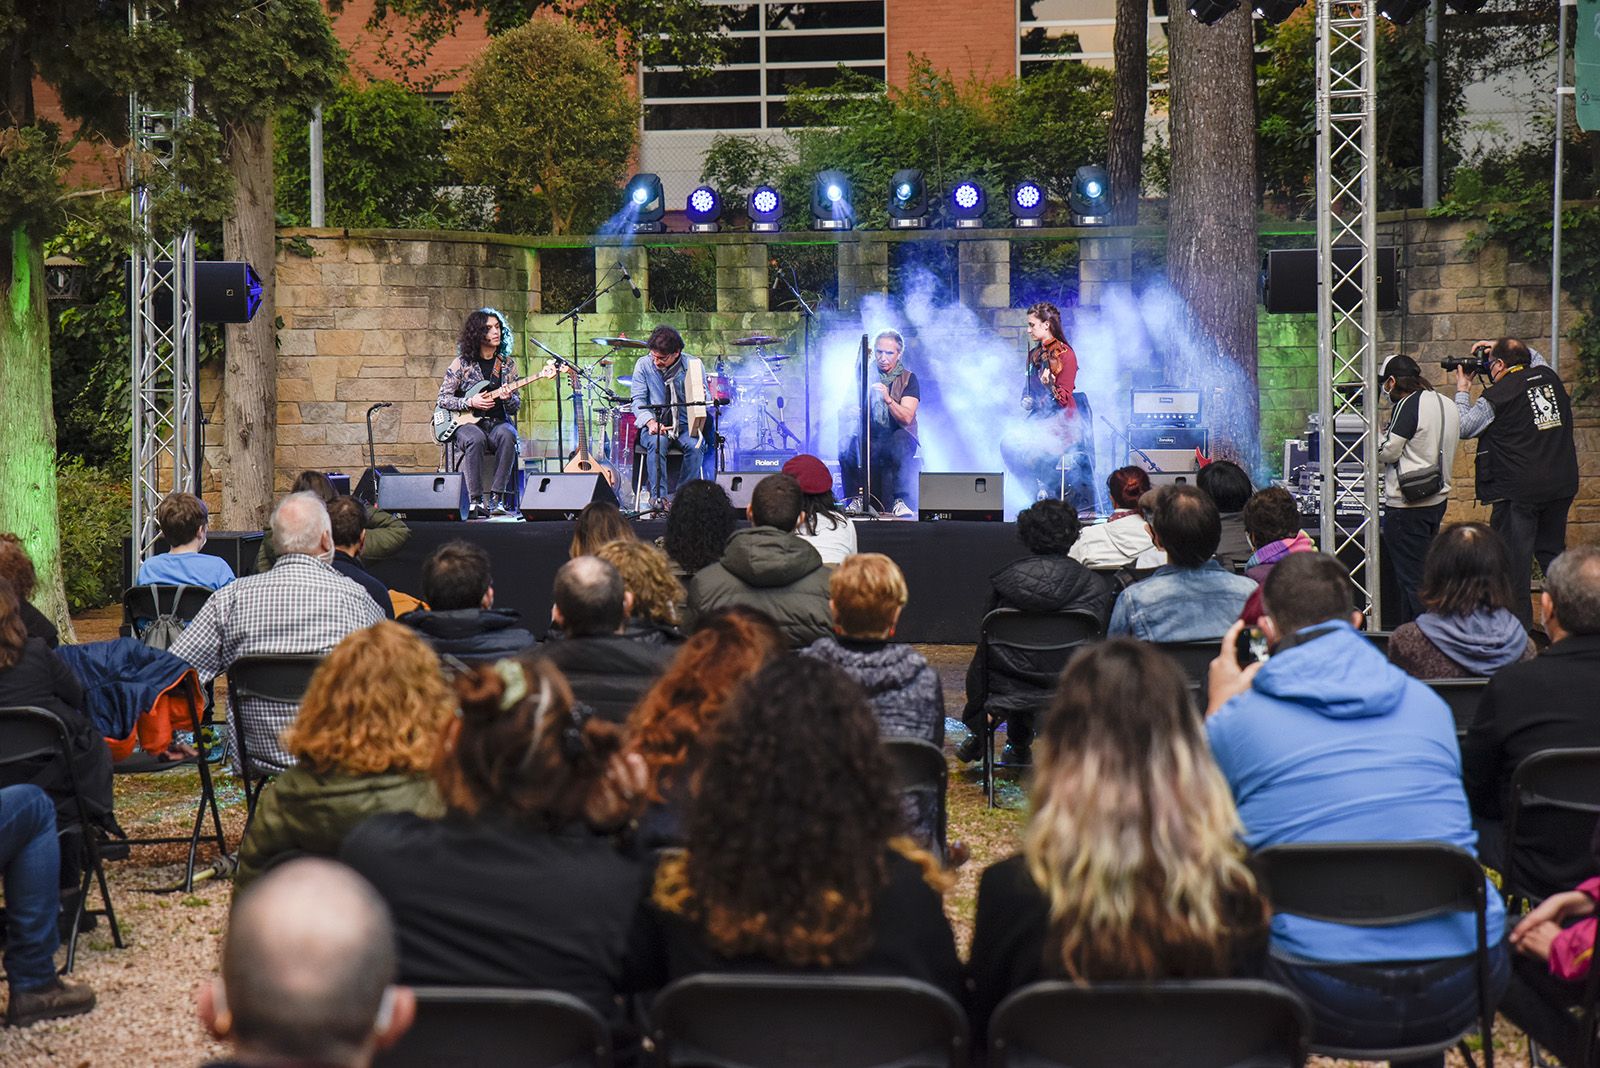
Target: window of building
{"type": "Point", "coordinates": [775, 48]}
{"type": "Point", "coordinates": [1080, 31]}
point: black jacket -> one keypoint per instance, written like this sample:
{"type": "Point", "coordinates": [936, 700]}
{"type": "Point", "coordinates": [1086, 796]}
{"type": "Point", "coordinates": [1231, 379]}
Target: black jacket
{"type": "Point", "coordinates": [471, 633]}
{"type": "Point", "coordinates": [609, 673]}
{"type": "Point", "coordinates": [40, 679]}
{"type": "Point", "coordinates": [1544, 703]}
{"type": "Point", "coordinates": [351, 568]}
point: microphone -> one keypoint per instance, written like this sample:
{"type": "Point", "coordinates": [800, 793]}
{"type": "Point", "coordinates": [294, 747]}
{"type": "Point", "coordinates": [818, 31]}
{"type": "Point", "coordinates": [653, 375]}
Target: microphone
{"type": "Point", "coordinates": [626, 277]}
{"type": "Point", "coordinates": [380, 404]}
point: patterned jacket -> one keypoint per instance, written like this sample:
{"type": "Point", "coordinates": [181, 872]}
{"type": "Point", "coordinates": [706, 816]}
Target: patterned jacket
{"type": "Point", "coordinates": [463, 374]}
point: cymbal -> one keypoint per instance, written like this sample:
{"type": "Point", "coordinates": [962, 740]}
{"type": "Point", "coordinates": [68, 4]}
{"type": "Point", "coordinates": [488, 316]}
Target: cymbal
{"type": "Point", "coordinates": [625, 380]}
{"type": "Point", "coordinates": [620, 342]}
{"type": "Point", "coordinates": [757, 339]}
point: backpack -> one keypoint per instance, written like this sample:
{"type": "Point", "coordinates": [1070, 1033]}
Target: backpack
{"type": "Point", "coordinates": [163, 631]}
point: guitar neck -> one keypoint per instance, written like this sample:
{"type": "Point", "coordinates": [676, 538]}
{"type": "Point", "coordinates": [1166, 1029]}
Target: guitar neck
{"type": "Point", "coordinates": [580, 425]}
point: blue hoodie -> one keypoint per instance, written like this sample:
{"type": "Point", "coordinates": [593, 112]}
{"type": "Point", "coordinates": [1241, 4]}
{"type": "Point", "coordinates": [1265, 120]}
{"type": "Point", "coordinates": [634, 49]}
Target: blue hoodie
{"type": "Point", "coordinates": [1334, 744]}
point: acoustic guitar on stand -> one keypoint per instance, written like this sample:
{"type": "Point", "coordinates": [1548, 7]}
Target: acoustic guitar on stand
{"type": "Point", "coordinates": [447, 422]}
{"type": "Point", "coordinates": [580, 462]}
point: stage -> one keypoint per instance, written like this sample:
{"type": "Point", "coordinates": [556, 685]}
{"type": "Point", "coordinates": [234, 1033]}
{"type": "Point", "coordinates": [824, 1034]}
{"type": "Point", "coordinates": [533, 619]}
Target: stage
{"type": "Point", "coordinates": [946, 564]}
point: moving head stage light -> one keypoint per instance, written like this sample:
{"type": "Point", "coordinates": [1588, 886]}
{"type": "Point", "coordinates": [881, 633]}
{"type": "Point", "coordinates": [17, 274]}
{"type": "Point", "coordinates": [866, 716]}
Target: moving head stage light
{"type": "Point", "coordinates": [967, 201]}
{"type": "Point", "coordinates": [643, 197]}
{"type": "Point", "coordinates": [908, 201]}
{"type": "Point", "coordinates": [832, 207]}
{"type": "Point", "coordinates": [1090, 198]}
{"type": "Point", "coordinates": [1027, 204]}
{"type": "Point", "coordinates": [704, 208]}
{"type": "Point", "coordinates": [765, 209]}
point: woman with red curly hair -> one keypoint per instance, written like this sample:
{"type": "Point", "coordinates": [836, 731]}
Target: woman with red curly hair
{"type": "Point", "coordinates": [794, 858]}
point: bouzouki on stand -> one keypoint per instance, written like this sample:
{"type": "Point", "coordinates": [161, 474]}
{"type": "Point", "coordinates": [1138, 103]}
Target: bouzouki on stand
{"type": "Point", "coordinates": [447, 422]}
{"type": "Point", "coordinates": [581, 462]}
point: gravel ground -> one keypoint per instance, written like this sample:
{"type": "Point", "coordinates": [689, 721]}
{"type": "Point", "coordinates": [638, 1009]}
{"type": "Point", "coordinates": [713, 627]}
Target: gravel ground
{"type": "Point", "coordinates": [145, 1014]}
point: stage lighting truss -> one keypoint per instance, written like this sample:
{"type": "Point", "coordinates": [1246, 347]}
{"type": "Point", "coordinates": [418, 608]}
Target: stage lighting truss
{"type": "Point", "coordinates": [644, 200]}
{"type": "Point", "coordinates": [967, 202]}
{"type": "Point", "coordinates": [1276, 11]}
{"type": "Point", "coordinates": [704, 209]}
{"type": "Point", "coordinates": [832, 207]}
{"type": "Point", "coordinates": [765, 208]}
{"type": "Point", "coordinates": [1090, 198]}
{"type": "Point", "coordinates": [908, 201]}
{"type": "Point", "coordinates": [1027, 204]}
{"type": "Point", "coordinates": [1208, 12]}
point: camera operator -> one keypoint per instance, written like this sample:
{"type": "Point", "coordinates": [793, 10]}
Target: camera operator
{"type": "Point", "coordinates": [1527, 463]}
{"type": "Point", "coordinates": [1417, 452]}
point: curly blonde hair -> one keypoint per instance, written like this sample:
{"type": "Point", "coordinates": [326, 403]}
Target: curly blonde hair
{"type": "Point", "coordinates": [377, 704]}
{"type": "Point", "coordinates": [647, 574]}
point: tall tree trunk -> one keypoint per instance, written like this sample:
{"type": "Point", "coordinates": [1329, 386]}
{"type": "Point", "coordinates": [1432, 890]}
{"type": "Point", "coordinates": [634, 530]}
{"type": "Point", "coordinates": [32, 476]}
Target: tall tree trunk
{"type": "Point", "coordinates": [27, 426]}
{"type": "Point", "coordinates": [1130, 49]}
{"type": "Point", "coordinates": [1211, 236]}
{"type": "Point", "coordinates": [250, 386]}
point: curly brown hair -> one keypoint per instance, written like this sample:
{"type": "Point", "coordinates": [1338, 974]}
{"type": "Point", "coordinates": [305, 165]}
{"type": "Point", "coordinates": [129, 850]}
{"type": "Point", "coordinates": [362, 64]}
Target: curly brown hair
{"type": "Point", "coordinates": [13, 633]}
{"type": "Point", "coordinates": [686, 702]}
{"type": "Point", "coordinates": [599, 522]}
{"type": "Point", "coordinates": [647, 574]}
{"type": "Point", "coordinates": [797, 756]}
{"type": "Point", "coordinates": [16, 566]}
{"type": "Point", "coordinates": [536, 761]}
{"type": "Point", "coordinates": [376, 705]}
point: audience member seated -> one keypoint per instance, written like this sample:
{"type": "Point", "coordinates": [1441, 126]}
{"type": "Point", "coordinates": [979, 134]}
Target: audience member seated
{"type": "Point", "coordinates": [1121, 540]}
{"type": "Point", "coordinates": [16, 567]}
{"type": "Point", "coordinates": [184, 522]}
{"type": "Point", "coordinates": [769, 568]}
{"type": "Point", "coordinates": [363, 744]}
{"type": "Point", "coordinates": [385, 533]}
{"type": "Point", "coordinates": [301, 606]}
{"type": "Point", "coordinates": [1047, 580]}
{"type": "Point", "coordinates": [30, 873]}
{"type": "Point", "coordinates": [1272, 523]}
{"type": "Point", "coordinates": [699, 524]}
{"type": "Point", "coordinates": [1097, 893]}
{"type": "Point", "coordinates": [1329, 742]}
{"type": "Point", "coordinates": [607, 669]}
{"type": "Point", "coordinates": [461, 620]}
{"type": "Point", "coordinates": [308, 966]}
{"type": "Point", "coordinates": [671, 726]}
{"type": "Point", "coordinates": [1193, 597]}
{"type": "Point", "coordinates": [518, 886]}
{"type": "Point", "coordinates": [793, 860]}
{"type": "Point", "coordinates": [1229, 489]}
{"type": "Point", "coordinates": [866, 595]}
{"type": "Point", "coordinates": [347, 517]}
{"type": "Point", "coordinates": [1546, 703]}
{"type": "Point", "coordinates": [599, 522]}
{"type": "Point", "coordinates": [657, 595]}
{"type": "Point", "coordinates": [1467, 629]}
{"type": "Point", "coordinates": [825, 525]}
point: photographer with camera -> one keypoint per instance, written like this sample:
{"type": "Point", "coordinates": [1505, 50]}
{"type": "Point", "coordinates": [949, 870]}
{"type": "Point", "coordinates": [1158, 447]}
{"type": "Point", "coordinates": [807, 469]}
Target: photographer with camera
{"type": "Point", "coordinates": [1527, 463]}
{"type": "Point", "coordinates": [1417, 453]}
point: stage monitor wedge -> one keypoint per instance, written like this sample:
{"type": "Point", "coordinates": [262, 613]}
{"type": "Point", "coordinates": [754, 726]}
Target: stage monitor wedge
{"type": "Point", "coordinates": [432, 495]}
{"type": "Point", "coordinates": [548, 497]}
{"type": "Point", "coordinates": [740, 485]}
{"type": "Point", "coordinates": [1289, 280]}
{"type": "Point", "coordinates": [972, 495]}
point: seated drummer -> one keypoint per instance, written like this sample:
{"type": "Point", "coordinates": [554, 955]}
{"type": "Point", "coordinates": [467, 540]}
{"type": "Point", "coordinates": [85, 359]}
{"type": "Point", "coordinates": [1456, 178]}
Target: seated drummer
{"type": "Point", "coordinates": [669, 402]}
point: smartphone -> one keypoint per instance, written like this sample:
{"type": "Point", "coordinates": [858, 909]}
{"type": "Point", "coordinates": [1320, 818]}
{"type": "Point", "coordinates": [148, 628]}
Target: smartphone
{"type": "Point", "coordinates": [1250, 647]}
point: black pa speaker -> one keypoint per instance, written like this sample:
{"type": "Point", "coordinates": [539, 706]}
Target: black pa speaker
{"type": "Point", "coordinates": [365, 489]}
{"type": "Point", "coordinates": [340, 483]}
{"type": "Point", "coordinates": [225, 291]}
{"type": "Point", "coordinates": [1289, 280]}
{"type": "Point", "coordinates": [561, 496]}
{"type": "Point", "coordinates": [740, 484]}
{"type": "Point", "coordinates": [972, 495]}
{"type": "Point", "coordinates": [433, 495]}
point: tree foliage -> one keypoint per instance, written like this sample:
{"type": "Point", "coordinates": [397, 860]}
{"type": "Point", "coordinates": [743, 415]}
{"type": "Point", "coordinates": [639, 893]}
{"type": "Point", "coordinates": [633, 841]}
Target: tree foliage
{"type": "Point", "coordinates": [547, 120]}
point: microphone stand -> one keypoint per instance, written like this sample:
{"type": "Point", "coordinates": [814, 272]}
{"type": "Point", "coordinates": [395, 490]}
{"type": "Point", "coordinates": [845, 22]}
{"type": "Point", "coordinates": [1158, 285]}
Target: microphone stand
{"type": "Point", "coordinates": [574, 315]}
{"type": "Point", "coordinates": [805, 360]}
{"type": "Point", "coordinates": [1131, 446]}
{"type": "Point", "coordinates": [867, 506]}
{"type": "Point", "coordinates": [372, 450]}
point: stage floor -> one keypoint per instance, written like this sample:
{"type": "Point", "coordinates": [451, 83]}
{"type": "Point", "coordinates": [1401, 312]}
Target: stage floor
{"type": "Point", "coordinates": [947, 566]}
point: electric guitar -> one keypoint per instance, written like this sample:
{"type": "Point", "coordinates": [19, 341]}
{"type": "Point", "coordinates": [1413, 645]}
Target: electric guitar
{"type": "Point", "coordinates": [580, 462]}
{"type": "Point", "coordinates": [447, 422]}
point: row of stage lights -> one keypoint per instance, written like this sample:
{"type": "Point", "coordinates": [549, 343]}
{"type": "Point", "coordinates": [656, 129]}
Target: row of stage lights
{"type": "Point", "coordinates": [832, 206]}
{"type": "Point", "coordinates": [1398, 12]}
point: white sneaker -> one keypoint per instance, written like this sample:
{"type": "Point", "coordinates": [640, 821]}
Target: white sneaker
{"type": "Point", "coordinates": [850, 506]}
{"type": "Point", "coordinates": [901, 511]}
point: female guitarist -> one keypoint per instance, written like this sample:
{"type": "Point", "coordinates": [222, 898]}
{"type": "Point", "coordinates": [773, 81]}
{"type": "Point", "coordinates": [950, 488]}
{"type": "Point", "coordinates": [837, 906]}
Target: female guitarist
{"type": "Point", "coordinates": [483, 355]}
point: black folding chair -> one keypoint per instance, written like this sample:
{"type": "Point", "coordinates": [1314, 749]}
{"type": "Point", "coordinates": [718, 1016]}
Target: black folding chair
{"type": "Point", "coordinates": [29, 735]}
{"type": "Point", "coordinates": [1380, 638]}
{"type": "Point", "coordinates": [920, 768]}
{"type": "Point", "coordinates": [1200, 1023]}
{"type": "Point", "coordinates": [142, 605]}
{"type": "Point", "coordinates": [787, 1021]}
{"type": "Point", "coordinates": [1382, 884]}
{"type": "Point", "coordinates": [1195, 660]}
{"type": "Point", "coordinates": [1463, 696]}
{"type": "Point", "coordinates": [488, 1027]}
{"type": "Point", "coordinates": [1050, 638]}
{"type": "Point", "coordinates": [1559, 784]}
{"type": "Point", "coordinates": [281, 677]}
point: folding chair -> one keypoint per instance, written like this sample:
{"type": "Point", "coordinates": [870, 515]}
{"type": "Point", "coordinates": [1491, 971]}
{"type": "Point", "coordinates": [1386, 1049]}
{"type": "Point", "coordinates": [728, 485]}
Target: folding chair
{"type": "Point", "coordinates": [1380, 638]}
{"type": "Point", "coordinates": [1381, 884]}
{"type": "Point", "coordinates": [1195, 660]}
{"type": "Point", "coordinates": [920, 767]}
{"type": "Point", "coordinates": [1563, 787]}
{"type": "Point", "coordinates": [149, 603]}
{"type": "Point", "coordinates": [486, 1027]}
{"type": "Point", "coordinates": [1048, 638]}
{"type": "Point", "coordinates": [789, 1021]}
{"type": "Point", "coordinates": [1462, 695]}
{"type": "Point", "coordinates": [1199, 1023]}
{"type": "Point", "coordinates": [28, 734]}
{"type": "Point", "coordinates": [281, 677]}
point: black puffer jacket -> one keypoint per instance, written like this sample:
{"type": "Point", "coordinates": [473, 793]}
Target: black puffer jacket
{"type": "Point", "coordinates": [471, 633]}
{"type": "Point", "coordinates": [609, 672]}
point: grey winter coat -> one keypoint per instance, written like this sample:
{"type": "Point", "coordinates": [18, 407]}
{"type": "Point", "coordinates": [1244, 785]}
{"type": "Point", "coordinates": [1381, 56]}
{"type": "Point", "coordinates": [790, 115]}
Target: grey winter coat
{"type": "Point", "coordinates": [774, 572]}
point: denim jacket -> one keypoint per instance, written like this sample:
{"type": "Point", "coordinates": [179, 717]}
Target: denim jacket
{"type": "Point", "coordinates": [1181, 604]}
{"type": "Point", "coordinates": [649, 393]}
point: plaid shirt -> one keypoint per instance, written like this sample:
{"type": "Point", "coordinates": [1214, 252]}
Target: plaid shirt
{"type": "Point", "coordinates": [301, 606]}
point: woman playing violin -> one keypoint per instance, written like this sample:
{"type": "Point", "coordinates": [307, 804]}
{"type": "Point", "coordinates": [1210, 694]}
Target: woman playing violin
{"type": "Point", "coordinates": [1052, 365]}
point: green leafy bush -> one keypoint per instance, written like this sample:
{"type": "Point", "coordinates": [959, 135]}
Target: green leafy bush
{"type": "Point", "coordinates": [94, 519]}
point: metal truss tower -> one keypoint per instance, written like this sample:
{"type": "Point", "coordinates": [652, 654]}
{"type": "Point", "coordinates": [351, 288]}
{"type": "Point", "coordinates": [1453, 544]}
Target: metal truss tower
{"type": "Point", "coordinates": [1347, 307]}
{"type": "Point", "coordinates": [163, 342]}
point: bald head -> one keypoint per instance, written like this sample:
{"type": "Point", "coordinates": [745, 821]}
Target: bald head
{"type": "Point", "coordinates": [308, 956]}
{"type": "Point", "coordinates": [589, 597]}
{"type": "Point", "coordinates": [300, 525]}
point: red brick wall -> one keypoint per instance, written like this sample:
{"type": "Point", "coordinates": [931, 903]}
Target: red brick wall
{"type": "Point", "coordinates": [964, 37]}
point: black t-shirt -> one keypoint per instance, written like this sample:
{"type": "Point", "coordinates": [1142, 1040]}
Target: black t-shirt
{"type": "Point", "coordinates": [490, 370]}
{"type": "Point", "coordinates": [1527, 453]}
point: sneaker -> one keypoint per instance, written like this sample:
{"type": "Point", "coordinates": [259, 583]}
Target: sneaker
{"type": "Point", "coordinates": [970, 750]}
{"type": "Point", "coordinates": [497, 505]}
{"type": "Point", "coordinates": [477, 509]}
{"type": "Point", "coordinates": [901, 510]}
{"type": "Point", "coordinates": [63, 997]}
{"type": "Point", "coordinates": [1016, 754]}
{"type": "Point", "coordinates": [851, 506]}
